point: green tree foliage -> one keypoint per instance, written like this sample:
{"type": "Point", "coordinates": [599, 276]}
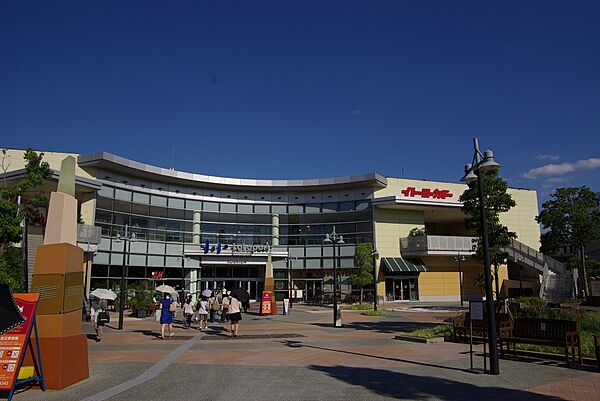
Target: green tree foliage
{"type": "Point", "coordinates": [497, 200]}
{"type": "Point", "coordinates": [11, 268]}
{"type": "Point", "coordinates": [570, 218]}
{"type": "Point", "coordinates": [12, 215]}
{"type": "Point", "coordinates": [417, 232]}
{"type": "Point", "coordinates": [364, 260]}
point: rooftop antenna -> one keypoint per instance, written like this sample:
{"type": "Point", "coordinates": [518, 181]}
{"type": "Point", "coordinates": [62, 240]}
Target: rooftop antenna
{"type": "Point", "coordinates": [172, 158]}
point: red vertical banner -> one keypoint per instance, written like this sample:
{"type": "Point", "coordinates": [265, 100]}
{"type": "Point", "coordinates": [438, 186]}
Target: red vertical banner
{"type": "Point", "coordinates": [265, 304]}
{"type": "Point", "coordinates": [13, 343]}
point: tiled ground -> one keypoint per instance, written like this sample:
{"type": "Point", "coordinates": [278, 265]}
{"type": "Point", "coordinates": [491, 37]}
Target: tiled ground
{"type": "Point", "coordinates": [301, 357]}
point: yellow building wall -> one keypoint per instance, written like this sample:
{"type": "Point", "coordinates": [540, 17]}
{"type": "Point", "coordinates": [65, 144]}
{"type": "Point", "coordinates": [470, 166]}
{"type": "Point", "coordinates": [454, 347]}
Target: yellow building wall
{"type": "Point", "coordinates": [390, 226]}
{"type": "Point", "coordinates": [54, 159]}
{"type": "Point", "coordinates": [521, 218]}
{"type": "Point", "coordinates": [441, 281]}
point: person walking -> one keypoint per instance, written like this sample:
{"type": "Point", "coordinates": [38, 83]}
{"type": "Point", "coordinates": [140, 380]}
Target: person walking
{"type": "Point", "coordinates": [188, 312]}
{"type": "Point", "coordinates": [225, 307]}
{"type": "Point", "coordinates": [202, 308]}
{"type": "Point", "coordinates": [167, 311]}
{"type": "Point", "coordinates": [234, 314]}
{"type": "Point", "coordinates": [213, 304]}
{"type": "Point", "coordinates": [99, 316]}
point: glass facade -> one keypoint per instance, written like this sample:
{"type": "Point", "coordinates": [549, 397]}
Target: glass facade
{"type": "Point", "coordinates": [161, 225]}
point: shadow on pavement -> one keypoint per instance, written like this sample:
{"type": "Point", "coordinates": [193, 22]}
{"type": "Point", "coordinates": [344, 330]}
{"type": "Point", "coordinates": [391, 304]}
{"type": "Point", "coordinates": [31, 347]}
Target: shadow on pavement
{"type": "Point", "coordinates": [383, 326]}
{"type": "Point", "coordinates": [149, 333]}
{"type": "Point", "coordinates": [406, 386]}
{"type": "Point", "coordinates": [299, 344]}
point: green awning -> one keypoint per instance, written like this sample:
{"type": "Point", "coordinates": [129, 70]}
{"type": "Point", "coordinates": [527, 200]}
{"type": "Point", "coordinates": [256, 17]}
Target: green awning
{"type": "Point", "coordinates": [403, 265]}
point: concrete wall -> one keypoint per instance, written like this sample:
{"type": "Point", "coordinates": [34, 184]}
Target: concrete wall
{"type": "Point", "coordinates": [54, 159]}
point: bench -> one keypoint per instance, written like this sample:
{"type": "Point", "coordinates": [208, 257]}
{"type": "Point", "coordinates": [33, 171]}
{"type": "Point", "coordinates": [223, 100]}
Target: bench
{"type": "Point", "coordinates": [550, 332]}
{"type": "Point", "coordinates": [462, 326]}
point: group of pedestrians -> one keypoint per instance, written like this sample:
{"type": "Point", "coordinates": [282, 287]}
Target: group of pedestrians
{"type": "Point", "coordinates": [222, 303]}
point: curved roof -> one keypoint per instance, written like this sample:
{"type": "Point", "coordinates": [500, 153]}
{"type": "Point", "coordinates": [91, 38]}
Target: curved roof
{"type": "Point", "coordinates": [125, 166]}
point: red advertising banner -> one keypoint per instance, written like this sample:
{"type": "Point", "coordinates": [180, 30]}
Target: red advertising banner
{"type": "Point", "coordinates": [265, 304]}
{"type": "Point", "coordinates": [13, 343]}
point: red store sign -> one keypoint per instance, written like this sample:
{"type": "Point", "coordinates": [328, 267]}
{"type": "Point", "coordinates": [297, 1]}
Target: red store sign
{"type": "Point", "coordinates": [427, 193]}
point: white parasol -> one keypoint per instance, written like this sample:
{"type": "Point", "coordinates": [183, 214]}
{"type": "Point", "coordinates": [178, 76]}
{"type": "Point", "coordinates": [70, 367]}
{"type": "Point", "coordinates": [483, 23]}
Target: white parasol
{"type": "Point", "coordinates": [166, 288]}
{"type": "Point", "coordinates": [103, 293]}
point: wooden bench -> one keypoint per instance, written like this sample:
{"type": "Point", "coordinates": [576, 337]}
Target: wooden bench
{"type": "Point", "coordinates": [462, 326]}
{"type": "Point", "coordinates": [550, 332]}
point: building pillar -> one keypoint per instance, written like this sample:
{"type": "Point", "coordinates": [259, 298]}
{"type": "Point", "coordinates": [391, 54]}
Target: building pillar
{"type": "Point", "coordinates": [195, 274]}
{"type": "Point", "coordinates": [275, 229]}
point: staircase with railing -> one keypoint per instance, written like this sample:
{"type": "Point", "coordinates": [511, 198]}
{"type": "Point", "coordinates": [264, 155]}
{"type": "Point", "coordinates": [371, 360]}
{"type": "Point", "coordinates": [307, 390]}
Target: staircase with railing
{"type": "Point", "coordinates": [557, 284]}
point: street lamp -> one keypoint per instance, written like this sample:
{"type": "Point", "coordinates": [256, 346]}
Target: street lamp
{"type": "Point", "coordinates": [459, 258]}
{"type": "Point", "coordinates": [127, 237]}
{"type": "Point", "coordinates": [288, 262]}
{"type": "Point", "coordinates": [481, 163]}
{"type": "Point", "coordinates": [374, 254]}
{"type": "Point", "coordinates": [334, 239]}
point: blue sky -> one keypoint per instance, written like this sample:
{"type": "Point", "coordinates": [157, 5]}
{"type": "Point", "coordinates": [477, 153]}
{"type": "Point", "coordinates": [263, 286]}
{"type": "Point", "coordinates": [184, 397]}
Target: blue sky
{"type": "Point", "coordinates": [294, 89]}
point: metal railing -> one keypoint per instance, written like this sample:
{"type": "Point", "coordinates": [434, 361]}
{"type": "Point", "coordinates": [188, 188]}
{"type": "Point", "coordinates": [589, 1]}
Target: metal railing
{"type": "Point", "coordinates": [88, 234]}
{"type": "Point", "coordinates": [438, 244]}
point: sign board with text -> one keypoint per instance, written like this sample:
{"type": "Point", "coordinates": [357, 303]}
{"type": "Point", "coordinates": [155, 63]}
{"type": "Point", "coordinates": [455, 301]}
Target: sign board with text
{"type": "Point", "coordinates": [265, 303]}
{"type": "Point", "coordinates": [476, 310]}
{"type": "Point", "coordinates": [13, 344]}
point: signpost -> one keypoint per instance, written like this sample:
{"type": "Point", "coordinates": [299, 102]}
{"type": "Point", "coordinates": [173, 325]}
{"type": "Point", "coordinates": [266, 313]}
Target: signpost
{"type": "Point", "coordinates": [475, 313]}
{"type": "Point", "coordinates": [265, 303]}
{"type": "Point", "coordinates": [14, 344]}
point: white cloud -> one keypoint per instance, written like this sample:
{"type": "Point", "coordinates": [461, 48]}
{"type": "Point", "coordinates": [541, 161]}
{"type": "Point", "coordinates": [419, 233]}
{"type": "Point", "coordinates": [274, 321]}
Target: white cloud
{"type": "Point", "coordinates": [553, 170]}
{"type": "Point", "coordinates": [548, 157]}
{"type": "Point", "coordinates": [357, 112]}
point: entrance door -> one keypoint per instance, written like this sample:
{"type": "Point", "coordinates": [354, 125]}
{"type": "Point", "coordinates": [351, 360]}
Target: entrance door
{"type": "Point", "coordinates": [401, 288]}
{"type": "Point", "coordinates": [313, 290]}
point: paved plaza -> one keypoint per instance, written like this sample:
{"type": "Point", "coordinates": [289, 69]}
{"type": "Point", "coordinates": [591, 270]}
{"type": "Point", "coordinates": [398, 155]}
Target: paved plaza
{"type": "Point", "coordinates": [301, 357]}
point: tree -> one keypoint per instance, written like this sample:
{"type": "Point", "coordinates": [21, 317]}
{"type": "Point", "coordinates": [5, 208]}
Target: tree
{"type": "Point", "coordinates": [570, 218]}
{"type": "Point", "coordinates": [497, 200]}
{"type": "Point", "coordinates": [417, 232]}
{"type": "Point", "coordinates": [364, 260]}
{"type": "Point", "coordinates": [14, 210]}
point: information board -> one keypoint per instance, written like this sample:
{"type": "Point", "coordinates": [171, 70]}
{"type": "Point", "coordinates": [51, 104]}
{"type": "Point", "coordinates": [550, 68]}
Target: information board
{"type": "Point", "coordinates": [14, 342]}
{"type": "Point", "coordinates": [265, 304]}
{"type": "Point", "coordinates": [476, 310]}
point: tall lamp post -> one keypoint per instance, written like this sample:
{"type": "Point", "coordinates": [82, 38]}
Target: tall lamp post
{"type": "Point", "coordinates": [374, 254]}
{"type": "Point", "coordinates": [334, 239]}
{"type": "Point", "coordinates": [289, 261]}
{"type": "Point", "coordinates": [473, 171]}
{"type": "Point", "coordinates": [126, 238]}
{"type": "Point", "coordinates": [459, 258]}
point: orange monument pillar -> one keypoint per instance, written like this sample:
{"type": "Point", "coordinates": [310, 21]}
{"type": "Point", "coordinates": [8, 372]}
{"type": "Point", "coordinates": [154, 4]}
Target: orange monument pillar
{"type": "Point", "coordinates": [58, 278]}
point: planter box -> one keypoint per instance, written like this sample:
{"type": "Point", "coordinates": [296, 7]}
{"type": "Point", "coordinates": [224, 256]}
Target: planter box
{"type": "Point", "coordinates": [421, 340]}
{"type": "Point", "coordinates": [140, 314]}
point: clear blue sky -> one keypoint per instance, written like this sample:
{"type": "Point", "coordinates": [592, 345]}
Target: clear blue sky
{"type": "Point", "coordinates": [295, 89]}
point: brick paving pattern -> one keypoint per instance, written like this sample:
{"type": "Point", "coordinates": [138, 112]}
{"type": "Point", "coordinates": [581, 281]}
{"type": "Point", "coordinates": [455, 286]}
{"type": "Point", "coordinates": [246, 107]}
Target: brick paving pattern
{"type": "Point", "coordinates": [301, 357]}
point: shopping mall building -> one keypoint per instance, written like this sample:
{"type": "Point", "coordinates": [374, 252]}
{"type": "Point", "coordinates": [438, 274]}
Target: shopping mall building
{"type": "Point", "coordinates": [197, 231]}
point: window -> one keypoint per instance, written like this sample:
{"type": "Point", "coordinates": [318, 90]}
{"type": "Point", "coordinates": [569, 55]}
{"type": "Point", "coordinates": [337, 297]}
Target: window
{"type": "Point", "coordinates": [279, 209]}
{"type": "Point", "coordinates": [193, 205]}
{"type": "Point", "coordinates": [141, 198]}
{"type": "Point", "coordinates": [263, 209]}
{"type": "Point", "coordinates": [242, 208]}
{"type": "Point", "coordinates": [158, 200]}
{"type": "Point", "coordinates": [122, 194]}
{"type": "Point", "coordinates": [210, 206]}
{"type": "Point", "coordinates": [176, 203]}
{"type": "Point", "coordinates": [330, 207]}
{"type": "Point", "coordinates": [228, 207]}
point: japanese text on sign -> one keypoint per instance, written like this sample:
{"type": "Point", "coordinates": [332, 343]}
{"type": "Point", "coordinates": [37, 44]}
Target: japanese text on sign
{"type": "Point", "coordinates": [427, 193]}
